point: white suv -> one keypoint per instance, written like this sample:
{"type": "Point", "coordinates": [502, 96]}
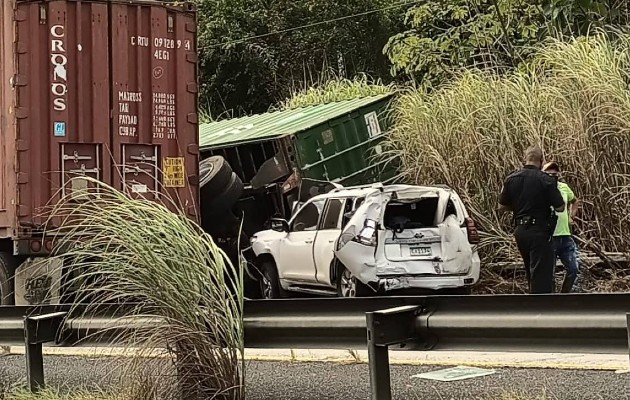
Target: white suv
{"type": "Point", "coordinates": [360, 241]}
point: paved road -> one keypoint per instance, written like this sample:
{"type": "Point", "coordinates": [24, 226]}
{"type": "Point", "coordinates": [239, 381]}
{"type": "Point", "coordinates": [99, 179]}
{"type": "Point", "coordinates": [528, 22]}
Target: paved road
{"type": "Point", "coordinates": [318, 381]}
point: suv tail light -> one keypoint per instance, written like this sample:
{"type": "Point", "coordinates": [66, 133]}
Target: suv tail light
{"type": "Point", "coordinates": [471, 230]}
{"type": "Point", "coordinates": [367, 235]}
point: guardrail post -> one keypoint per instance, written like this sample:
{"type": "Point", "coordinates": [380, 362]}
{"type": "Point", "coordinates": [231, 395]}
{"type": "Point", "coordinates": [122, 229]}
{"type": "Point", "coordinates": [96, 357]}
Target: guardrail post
{"type": "Point", "coordinates": [378, 357]}
{"type": "Point", "coordinates": [38, 330]}
{"type": "Point", "coordinates": [386, 328]}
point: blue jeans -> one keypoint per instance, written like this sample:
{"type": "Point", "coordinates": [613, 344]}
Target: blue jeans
{"type": "Point", "coordinates": [566, 251]}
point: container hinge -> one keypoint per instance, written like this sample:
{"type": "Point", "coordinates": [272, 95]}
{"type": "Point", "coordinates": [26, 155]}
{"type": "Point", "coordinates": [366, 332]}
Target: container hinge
{"type": "Point", "coordinates": [192, 58]}
{"type": "Point", "coordinates": [18, 80]}
{"type": "Point", "coordinates": [21, 112]}
{"type": "Point", "coordinates": [191, 27]}
{"type": "Point", "coordinates": [192, 118]}
{"type": "Point", "coordinates": [192, 87]}
{"type": "Point", "coordinates": [19, 15]}
{"type": "Point", "coordinates": [19, 48]}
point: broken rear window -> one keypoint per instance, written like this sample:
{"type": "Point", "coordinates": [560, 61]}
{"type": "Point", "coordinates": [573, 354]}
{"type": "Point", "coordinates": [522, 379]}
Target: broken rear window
{"type": "Point", "coordinates": [411, 215]}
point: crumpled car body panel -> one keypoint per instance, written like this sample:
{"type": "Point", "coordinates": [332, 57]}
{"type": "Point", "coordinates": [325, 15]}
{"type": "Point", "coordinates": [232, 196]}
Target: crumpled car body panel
{"type": "Point", "coordinates": [390, 263]}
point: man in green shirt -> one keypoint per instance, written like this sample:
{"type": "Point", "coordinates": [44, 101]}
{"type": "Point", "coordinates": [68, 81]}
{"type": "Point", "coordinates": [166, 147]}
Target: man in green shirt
{"type": "Point", "coordinates": [563, 243]}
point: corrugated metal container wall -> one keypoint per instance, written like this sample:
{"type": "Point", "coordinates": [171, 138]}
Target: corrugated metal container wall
{"type": "Point", "coordinates": [7, 121]}
{"type": "Point", "coordinates": [104, 89]}
{"type": "Point", "coordinates": [348, 150]}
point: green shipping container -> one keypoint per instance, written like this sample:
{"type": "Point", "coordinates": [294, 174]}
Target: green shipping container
{"type": "Point", "coordinates": [340, 142]}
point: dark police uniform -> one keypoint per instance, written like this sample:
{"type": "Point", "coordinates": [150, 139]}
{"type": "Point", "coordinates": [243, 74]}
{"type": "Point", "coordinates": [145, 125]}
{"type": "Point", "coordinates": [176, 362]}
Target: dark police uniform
{"type": "Point", "coordinates": [531, 194]}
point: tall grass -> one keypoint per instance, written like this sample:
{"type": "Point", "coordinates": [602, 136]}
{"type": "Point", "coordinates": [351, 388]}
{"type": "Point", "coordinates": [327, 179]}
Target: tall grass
{"type": "Point", "coordinates": [205, 116]}
{"type": "Point", "coordinates": [573, 99]}
{"type": "Point", "coordinates": [337, 89]}
{"type": "Point", "coordinates": [125, 250]}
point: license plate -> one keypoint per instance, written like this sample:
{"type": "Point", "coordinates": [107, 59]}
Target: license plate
{"type": "Point", "coordinates": [420, 251]}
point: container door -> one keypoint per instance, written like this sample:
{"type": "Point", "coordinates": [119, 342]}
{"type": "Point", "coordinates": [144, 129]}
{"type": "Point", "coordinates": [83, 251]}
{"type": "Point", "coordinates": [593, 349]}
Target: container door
{"type": "Point", "coordinates": [154, 90]}
{"type": "Point", "coordinates": [79, 161]}
{"type": "Point", "coordinates": [140, 172]}
{"type": "Point", "coordinates": [62, 96]}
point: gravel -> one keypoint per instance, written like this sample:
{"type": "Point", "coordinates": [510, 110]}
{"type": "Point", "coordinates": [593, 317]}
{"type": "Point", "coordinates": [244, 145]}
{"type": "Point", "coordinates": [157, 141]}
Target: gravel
{"type": "Point", "coordinates": [318, 381]}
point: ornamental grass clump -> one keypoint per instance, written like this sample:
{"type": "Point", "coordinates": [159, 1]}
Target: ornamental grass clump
{"type": "Point", "coordinates": [335, 90]}
{"type": "Point", "coordinates": [122, 250]}
{"type": "Point", "coordinates": [572, 99]}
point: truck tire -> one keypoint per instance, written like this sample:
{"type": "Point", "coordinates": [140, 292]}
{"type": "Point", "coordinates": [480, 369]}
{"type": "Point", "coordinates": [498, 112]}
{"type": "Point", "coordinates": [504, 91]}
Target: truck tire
{"type": "Point", "coordinates": [7, 285]}
{"type": "Point", "coordinates": [224, 201]}
{"type": "Point", "coordinates": [214, 175]}
{"type": "Point", "coordinates": [270, 287]}
{"type": "Point", "coordinates": [349, 286]}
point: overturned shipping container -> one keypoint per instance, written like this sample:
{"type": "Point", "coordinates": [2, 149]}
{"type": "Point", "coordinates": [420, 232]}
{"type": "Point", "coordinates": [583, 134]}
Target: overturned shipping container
{"type": "Point", "coordinates": [106, 89]}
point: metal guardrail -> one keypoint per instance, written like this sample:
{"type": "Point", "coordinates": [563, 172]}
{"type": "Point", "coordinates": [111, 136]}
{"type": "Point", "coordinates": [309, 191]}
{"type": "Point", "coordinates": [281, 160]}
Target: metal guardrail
{"type": "Point", "coordinates": [581, 323]}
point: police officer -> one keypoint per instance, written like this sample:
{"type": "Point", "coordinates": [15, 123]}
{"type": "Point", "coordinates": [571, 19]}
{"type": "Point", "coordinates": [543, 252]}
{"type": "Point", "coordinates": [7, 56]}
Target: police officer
{"type": "Point", "coordinates": [532, 195]}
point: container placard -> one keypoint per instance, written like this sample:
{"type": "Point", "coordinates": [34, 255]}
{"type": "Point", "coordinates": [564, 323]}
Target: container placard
{"type": "Point", "coordinates": [174, 172]}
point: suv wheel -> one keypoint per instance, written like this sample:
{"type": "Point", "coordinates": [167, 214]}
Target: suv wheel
{"type": "Point", "coordinates": [349, 286]}
{"type": "Point", "coordinates": [269, 282]}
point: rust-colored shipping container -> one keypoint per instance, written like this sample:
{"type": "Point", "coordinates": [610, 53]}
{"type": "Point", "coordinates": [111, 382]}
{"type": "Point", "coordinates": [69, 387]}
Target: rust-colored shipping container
{"type": "Point", "coordinates": [106, 89]}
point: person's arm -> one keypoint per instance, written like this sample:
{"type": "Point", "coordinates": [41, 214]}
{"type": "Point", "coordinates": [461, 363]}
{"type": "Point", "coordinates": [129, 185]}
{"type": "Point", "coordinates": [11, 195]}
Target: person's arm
{"type": "Point", "coordinates": [555, 197]}
{"type": "Point", "coordinates": [505, 200]}
{"type": "Point", "coordinates": [574, 208]}
{"type": "Point", "coordinates": [573, 203]}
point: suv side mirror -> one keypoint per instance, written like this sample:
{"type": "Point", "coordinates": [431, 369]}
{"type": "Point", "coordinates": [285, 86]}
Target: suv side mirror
{"type": "Point", "coordinates": [279, 225]}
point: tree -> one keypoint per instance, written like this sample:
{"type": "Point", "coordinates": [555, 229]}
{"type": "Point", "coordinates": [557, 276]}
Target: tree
{"type": "Point", "coordinates": [579, 17]}
{"type": "Point", "coordinates": [447, 35]}
{"type": "Point", "coordinates": [254, 53]}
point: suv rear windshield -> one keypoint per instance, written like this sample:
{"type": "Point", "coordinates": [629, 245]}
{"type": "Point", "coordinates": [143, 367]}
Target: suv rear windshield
{"type": "Point", "coordinates": [414, 215]}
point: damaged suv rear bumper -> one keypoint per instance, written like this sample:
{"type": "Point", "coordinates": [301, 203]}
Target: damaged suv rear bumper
{"type": "Point", "coordinates": [427, 282]}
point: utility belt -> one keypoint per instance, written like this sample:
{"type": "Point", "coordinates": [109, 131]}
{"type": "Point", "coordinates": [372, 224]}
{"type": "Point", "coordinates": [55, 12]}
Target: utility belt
{"type": "Point", "coordinates": [527, 220]}
{"type": "Point", "coordinates": [549, 223]}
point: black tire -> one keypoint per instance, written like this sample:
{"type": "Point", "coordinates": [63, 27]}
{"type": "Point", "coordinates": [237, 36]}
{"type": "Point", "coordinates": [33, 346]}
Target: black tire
{"type": "Point", "coordinates": [251, 288]}
{"type": "Point", "coordinates": [270, 287]}
{"type": "Point", "coordinates": [215, 175]}
{"type": "Point", "coordinates": [224, 201]}
{"type": "Point", "coordinates": [349, 286]}
{"type": "Point", "coordinates": [7, 284]}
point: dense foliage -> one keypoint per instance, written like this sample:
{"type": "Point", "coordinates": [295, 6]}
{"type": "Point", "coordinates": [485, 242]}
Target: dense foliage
{"type": "Point", "coordinates": [251, 55]}
{"type": "Point", "coordinates": [256, 53]}
{"type": "Point", "coordinates": [444, 36]}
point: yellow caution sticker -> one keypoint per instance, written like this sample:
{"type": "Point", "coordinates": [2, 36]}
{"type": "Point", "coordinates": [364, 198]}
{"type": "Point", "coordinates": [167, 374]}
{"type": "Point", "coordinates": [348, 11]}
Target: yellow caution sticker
{"type": "Point", "coordinates": [174, 172]}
